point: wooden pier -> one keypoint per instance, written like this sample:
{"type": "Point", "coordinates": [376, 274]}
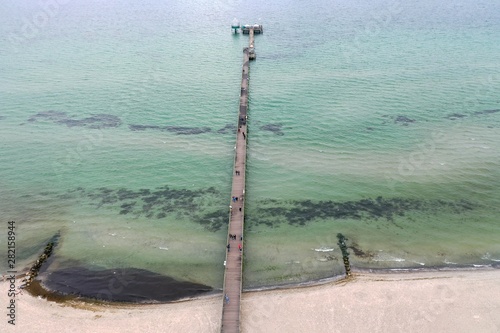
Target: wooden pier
{"type": "Point", "coordinates": [234, 252]}
{"type": "Point", "coordinates": [251, 48]}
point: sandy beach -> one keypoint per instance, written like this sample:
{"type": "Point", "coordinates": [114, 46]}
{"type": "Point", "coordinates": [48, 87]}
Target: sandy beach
{"type": "Point", "coordinates": [444, 301]}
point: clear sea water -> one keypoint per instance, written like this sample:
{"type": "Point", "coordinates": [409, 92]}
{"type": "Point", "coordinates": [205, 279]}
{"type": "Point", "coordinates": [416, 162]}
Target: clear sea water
{"type": "Point", "coordinates": [378, 120]}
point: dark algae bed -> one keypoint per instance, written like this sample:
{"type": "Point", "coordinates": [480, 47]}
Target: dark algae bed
{"type": "Point", "coordinates": [121, 285]}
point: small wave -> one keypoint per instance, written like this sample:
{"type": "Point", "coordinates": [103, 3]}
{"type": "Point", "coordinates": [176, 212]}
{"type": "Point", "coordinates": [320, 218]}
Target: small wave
{"type": "Point", "coordinates": [388, 258]}
{"type": "Point", "coordinates": [487, 256]}
{"type": "Point", "coordinates": [449, 262]}
{"type": "Point", "coordinates": [163, 248]}
{"type": "Point", "coordinates": [481, 265]}
{"type": "Point", "coordinates": [324, 249]}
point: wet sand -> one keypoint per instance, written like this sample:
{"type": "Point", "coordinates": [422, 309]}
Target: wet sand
{"type": "Point", "coordinates": [445, 301]}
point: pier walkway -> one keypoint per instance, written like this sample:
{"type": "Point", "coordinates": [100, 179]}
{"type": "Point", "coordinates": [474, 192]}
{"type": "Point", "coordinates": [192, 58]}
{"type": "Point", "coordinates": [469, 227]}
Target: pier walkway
{"type": "Point", "coordinates": [234, 257]}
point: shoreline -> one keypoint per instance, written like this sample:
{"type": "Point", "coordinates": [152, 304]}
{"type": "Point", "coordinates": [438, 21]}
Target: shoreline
{"type": "Point", "coordinates": [463, 300]}
{"type": "Point", "coordinates": [381, 271]}
{"type": "Point", "coordinates": [38, 289]}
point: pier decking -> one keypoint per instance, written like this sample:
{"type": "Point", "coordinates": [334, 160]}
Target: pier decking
{"type": "Point", "coordinates": [234, 256]}
{"type": "Point", "coordinates": [256, 28]}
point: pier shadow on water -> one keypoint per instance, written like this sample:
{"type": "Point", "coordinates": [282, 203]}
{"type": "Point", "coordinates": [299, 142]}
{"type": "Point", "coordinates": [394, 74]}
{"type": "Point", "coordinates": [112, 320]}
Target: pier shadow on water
{"type": "Point", "coordinates": [121, 285]}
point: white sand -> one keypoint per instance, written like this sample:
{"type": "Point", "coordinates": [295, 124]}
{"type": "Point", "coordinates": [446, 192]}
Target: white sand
{"type": "Point", "coordinates": [458, 301]}
{"type": "Point", "coordinates": [414, 302]}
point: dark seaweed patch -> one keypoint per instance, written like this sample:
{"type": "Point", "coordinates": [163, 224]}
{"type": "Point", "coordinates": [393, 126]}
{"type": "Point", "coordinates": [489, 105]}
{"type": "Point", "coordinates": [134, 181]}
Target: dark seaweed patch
{"type": "Point", "coordinates": [455, 116]}
{"type": "Point", "coordinates": [188, 130]}
{"type": "Point", "coordinates": [275, 128]}
{"type": "Point", "coordinates": [96, 121]}
{"type": "Point", "coordinates": [359, 252]}
{"type": "Point", "coordinates": [124, 194]}
{"type": "Point", "coordinates": [175, 129]}
{"type": "Point", "coordinates": [49, 115]}
{"type": "Point", "coordinates": [121, 285]}
{"type": "Point", "coordinates": [192, 205]}
{"type": "Point", "coordinates": [158, 203]}
{"type": "Point", "coordinates": [483, 112]}
{"type": "Point", "coordinates": [143, 127]}
{"type": "Point", "coordinates": [403, 120]}
{"type": "Point", "coordinates": [127, 207]}
{"type": "Point", "coordinates": [229, 128]}
{"type": "Point", "coordinates": [303, 212]}
{"type": "Point", "coordinates": [213, 221]}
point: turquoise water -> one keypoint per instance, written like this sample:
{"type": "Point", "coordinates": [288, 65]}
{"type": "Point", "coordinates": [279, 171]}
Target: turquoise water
{"type": "Point", "coordinates": [379, 121]}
